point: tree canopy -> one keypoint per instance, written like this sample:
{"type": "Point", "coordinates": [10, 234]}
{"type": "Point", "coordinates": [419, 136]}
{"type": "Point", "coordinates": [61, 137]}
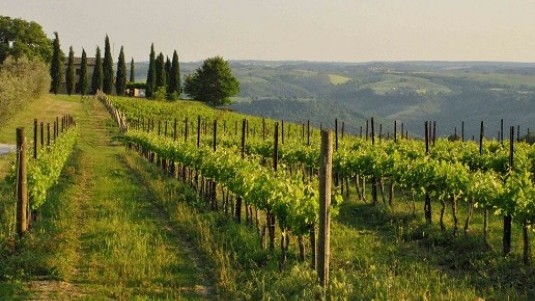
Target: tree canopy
{"type": "Point", "coordinates": [96, 82]}
{"type": "Point", "coordinates": [56, 66]}
{"type": "Point", "coordinates": [82, 81]}
{"type": "Point", "coordinates": [22, 38]}
{"type": "Point", "coordinates": [69, 75]}
{"type": "Point", "coordinates": [151, 74]}
{"type": "Point", "coordinates": [213, 82]}
{"type": "Point", "coordinates": [120, 79]}
{"type": "Point", "coordinates": [107, 68]}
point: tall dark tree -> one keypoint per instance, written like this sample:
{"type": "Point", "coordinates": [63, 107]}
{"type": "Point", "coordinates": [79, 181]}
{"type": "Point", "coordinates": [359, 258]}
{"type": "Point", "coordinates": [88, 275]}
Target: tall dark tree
{"type": "Point", "coordinates": [107, 65]}
{"type": "Point", "coordinates": [132, 71]}
{"type": "Point", "coordinates": [174, 88]}
{"type": "Point", "coordinates": [120, 80]}
{"type": "Point", "coordinates": [56, 66]}
{"type": "Point", "coordinates": [82, 81]}
{"type": "Point", "coordinates": [69, 76]}
{"type": "Point", "coordinates": [160, 71]}
{"type": "Point", "coordinates": [213, 82]}
{"type": "Point", "coordinates": [167, 72]}
{"type": "Point", "coordinates": [96, 81]}
{"type": "Point", "coordinates": [151, 74]}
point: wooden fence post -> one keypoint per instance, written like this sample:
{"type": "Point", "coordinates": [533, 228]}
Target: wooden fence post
{"type": "Point", "coordinates": [22, 189]}
{"type": "Point", "coordinates": [325, 174]}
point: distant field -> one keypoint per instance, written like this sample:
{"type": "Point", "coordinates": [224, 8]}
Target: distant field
{"type": "Point", "coordinates": [391, 83]}
{"type": "Point", "coordinates": [336, 79]}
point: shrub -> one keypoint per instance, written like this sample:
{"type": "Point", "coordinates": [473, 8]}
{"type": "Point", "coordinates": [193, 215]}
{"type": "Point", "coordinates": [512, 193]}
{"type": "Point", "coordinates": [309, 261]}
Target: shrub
{"type": "Point", "coordinates": [21, 81]}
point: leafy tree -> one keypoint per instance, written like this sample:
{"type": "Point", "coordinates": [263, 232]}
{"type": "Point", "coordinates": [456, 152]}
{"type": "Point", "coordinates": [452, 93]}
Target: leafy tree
{"type": "Point", "coordinates": [22, 38]}
{"type": "Point", "coordinates": [151, 74]}
{"type": "Point", "coordinates": [120, 81]}
{"type": "Point", "coordinates": [69, 76]}
{"type": "Point", "coordinates": [213, 82]}
{"type": "Point", "coordinates": [56, 66]}
{"type": "Point", "coordinates": [107, 65]}
{"type": "Point", "coordinates": [160, 71]}
{"type": "Point", "coordinates": [96, 81]}
{"type": "Point", "coordinates": [173, 88]}
{"type": "Point", "coordinates": [82, 81]}
{"type": "Point", "coordinates": [132, 72]}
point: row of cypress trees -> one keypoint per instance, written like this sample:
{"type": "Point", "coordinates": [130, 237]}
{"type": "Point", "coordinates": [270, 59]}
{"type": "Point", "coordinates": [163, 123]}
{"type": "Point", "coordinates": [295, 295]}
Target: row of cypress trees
{"type": "Point", "coordinates": [163, 76]}
{"type": "Point", "coordinates": [102, 78]}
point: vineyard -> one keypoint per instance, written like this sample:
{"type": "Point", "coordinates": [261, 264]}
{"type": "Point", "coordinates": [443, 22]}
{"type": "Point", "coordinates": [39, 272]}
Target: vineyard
{"type": "Point", "coordinates": [411, 218]}
{"type": "Point", "coordinates": [273, 168]}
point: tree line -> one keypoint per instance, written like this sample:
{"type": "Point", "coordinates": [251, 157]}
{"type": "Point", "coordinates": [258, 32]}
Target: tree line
{"type": "Point", "coordinates": [213, 83]}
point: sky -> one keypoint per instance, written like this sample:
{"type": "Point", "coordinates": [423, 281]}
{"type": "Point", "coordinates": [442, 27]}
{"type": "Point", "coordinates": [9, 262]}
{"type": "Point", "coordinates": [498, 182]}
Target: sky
{"type": "Point", "coordinates": [309, 30]}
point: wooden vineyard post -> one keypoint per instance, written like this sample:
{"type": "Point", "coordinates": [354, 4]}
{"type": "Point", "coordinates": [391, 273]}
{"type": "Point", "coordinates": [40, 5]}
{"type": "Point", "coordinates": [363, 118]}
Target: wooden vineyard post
{"type": "Point", "coordinates": [282, 131]}
{"type": "Point", "coordinates": [325, 175]}
{"type": "Point", "coordinates": [427, 198]}
{"type": "Point", "coordinates": [237, 211]}
{"type": "Point", "coordinates": [198, 131]}
{"type": "Point", "coordinates": [336, 176]}
{"type": "Point", "coordinates": [270, 216]}
{"type": "Point", "coordinates": [22, 188]}
{"type": "Point", "coordinates": [35, 133]}
{"type": "Point", "coordinates": [507, 218]}
{"type": "Point", "coordinates": [395, 131]}
{"type": "Point", "coordinates": [462, 131]}
{"type": "Point", "coordinates": [48, 134]}
{"type": "Point", "coordinates": [374, 179]}
{"type": "Point", "coordinates": [42, 128]}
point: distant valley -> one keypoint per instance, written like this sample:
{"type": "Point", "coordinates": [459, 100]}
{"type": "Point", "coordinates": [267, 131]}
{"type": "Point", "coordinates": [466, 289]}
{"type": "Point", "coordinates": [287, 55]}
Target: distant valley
{"type": "Point", "coordinates": [409, 92]}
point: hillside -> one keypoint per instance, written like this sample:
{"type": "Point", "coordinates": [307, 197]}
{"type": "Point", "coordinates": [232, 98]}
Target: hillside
{"type": "Point", "coordinates": [410, 92]}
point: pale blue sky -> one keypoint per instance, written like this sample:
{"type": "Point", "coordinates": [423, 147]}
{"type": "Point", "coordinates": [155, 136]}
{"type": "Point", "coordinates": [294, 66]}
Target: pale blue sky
{"type": "Point", "coordinates": [314, 30]}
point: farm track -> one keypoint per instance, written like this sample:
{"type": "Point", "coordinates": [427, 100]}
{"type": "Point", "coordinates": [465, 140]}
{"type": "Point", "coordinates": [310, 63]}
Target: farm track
{"type": "Point", "coordinates": [125, 246]}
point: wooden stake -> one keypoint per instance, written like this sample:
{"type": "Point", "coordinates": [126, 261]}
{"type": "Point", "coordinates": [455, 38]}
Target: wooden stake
{"type": "Point", "coordinates": [325, 175]}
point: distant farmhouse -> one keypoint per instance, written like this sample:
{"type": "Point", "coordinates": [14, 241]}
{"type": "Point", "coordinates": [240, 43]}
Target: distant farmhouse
{"type": "Point", "coordinates": [91, 61]}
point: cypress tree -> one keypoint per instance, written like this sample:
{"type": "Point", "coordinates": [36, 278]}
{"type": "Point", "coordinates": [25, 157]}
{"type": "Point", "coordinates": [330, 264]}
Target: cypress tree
{"type": "Point", "coordinates": [132, 72]}
{"type": "Point", "coordinates": [96, 82]}
{"type": "Point", "coordinates": [82, 81]}
{"type": "Point", "coordinates": [56, 66]}
{"type": "Point", "coordinates": [167, 72]}
{"type": "Point", "coordinates": [120, 83]}
{"type": "Point", "coordinates": [151, 74]}
{"type": "Point", "coordinates": [107, 65]}
{"type": "Point", "coordinates": [174, 78]}
{"type": "Point", "coordinates": [160, 71]}
{"type": "Point", "coordinates": [69, 77]}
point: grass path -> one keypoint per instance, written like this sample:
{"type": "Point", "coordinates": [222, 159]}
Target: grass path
{"type": "Point", "coordinates": [102, 235]}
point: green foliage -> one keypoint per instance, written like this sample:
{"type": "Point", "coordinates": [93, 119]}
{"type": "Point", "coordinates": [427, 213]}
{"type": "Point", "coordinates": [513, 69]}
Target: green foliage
{"type": "Point", "coordinates": [151, 74]}
{"type": "Point", "coordinates": [21, 81]}
{"type": "Point", "coordinates": [96, 82]}
{"type": "Point", "coordinates": [160, 93]}
{"type": "Point", "coordinates": [69, 76]}
{"type": "Point", "coordinates": [213, 82]}
{"type": "Point", "coordinates": [107, 68]}
{"type": "Point", "coordinates": [120, 81]}
{"type": "Point", "coordinates": [82, 80]}
{"type": "Point", "coordinates": [44, 172]}
{"type": "Point", "coordinates": [132, 72]}
{"type": "Point", "coordinates": [160, 71]}
{"type": "Point", "coordinates": [20, 38]}
{"type": "Point", "coordinates": [173, 86]}
{"type": "Point", "coordinates": [56, 66]}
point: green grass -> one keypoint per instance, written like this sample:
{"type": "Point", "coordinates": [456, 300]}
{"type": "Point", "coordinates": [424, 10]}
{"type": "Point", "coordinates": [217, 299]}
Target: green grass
{"type": "Point", "coordinates": [99, 235]}
{"type": "Point", "coordinates": [336, 79]}
{"type": "Point", "coordinates": [44, 110]}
